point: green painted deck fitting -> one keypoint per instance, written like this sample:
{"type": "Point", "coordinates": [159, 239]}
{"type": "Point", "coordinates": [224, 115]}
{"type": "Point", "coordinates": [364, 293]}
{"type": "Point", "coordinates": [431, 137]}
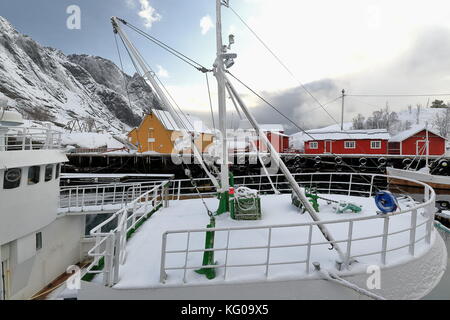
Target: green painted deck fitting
{"type": "Point", "coordinates": [208, 256]}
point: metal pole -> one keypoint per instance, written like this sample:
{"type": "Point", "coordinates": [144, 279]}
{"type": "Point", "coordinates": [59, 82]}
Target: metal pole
{"type": "Point", "coordinates": [342, 112]}
{"type": "Point", "coordinates": [148, 76]}
{"type": "Point", "coordinates": [219, 74]}
{"type": "Point", "coordinates": [427, 145]}
{"type": "Point", "coordinates": [293, 183]}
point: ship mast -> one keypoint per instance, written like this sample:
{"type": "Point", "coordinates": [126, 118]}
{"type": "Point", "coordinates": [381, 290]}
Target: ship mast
{"type": "Point", "coordinates": [219, 73]}
{"type": "Point", "coordinates": [222, 81]}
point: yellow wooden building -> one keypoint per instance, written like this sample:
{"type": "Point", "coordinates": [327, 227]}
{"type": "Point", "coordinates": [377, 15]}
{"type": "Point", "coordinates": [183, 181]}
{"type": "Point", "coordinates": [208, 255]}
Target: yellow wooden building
{"type": "Point", "coordinates": [158, 132]}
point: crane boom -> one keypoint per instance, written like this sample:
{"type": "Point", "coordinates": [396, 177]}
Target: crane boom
{"type": "Point", "coordinates": [148, 75]}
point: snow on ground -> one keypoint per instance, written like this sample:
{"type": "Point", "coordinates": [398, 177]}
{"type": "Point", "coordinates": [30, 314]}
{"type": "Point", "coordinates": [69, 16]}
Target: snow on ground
{"type": "Point", "coordinates": [90, 140]}
{"type": "Point", "coordinates": [142, 266]}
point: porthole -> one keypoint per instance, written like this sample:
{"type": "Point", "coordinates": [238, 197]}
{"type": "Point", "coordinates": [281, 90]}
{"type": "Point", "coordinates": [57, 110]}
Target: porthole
{"type": "Point", "coordinates": [11, 178]}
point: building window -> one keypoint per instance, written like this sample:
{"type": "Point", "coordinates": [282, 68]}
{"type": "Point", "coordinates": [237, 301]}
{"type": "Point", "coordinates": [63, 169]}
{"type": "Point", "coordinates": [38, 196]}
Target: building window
{"type": "Point", "coordinates": [33, 174]}
{"type": "Point", "coordinates": [48, 172]}
{"type": "Point", "coordinates": [11, 179]}
{"type": "Point", "coordinates": [58, 170]}
{"type": "Point", "coordinates": [314, 145]}
{"type": "Point", "coordinates": [38, 241]}
{"type": "Point", "coordinates": [375, 144]}
{"type": "Point", "coordinates": [349, 145]}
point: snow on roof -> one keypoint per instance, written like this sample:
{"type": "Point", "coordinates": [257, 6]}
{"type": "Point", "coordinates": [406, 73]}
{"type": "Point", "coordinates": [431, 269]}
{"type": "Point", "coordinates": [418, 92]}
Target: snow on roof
{"type": "Point", "coordinates": [272, 127]}
{"type": "Point", "coordinates": [410, 132]}
{"type": "Point", "coordinates": [190, 122]}
{"type": "Point", "coordinates": [320, 134]}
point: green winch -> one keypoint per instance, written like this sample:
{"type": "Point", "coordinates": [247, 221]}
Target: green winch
{"type": "Point", "coordinates": [247, 204]}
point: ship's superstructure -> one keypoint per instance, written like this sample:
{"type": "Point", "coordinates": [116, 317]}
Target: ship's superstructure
{"type": "Point", "coordinates": [36, 246]}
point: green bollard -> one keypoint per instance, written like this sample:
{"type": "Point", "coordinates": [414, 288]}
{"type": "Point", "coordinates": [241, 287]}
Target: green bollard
{"type": "Point", "coordinates": [208, 256]}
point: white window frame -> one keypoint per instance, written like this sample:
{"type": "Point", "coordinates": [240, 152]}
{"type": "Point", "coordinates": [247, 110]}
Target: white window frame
{"type": "Point", "coordinates": [372, 142]}
{"type": "Point", "coordinates": [313, 145]}
{"type": "Point", "coordinates": [350, 141]}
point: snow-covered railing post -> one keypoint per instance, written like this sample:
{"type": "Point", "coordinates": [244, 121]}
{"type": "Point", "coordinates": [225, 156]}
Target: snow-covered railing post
{"type": "Point", "coordinates": [24, 139]}
{"type": "Point", "coordinates": [350, 184]}
{"type": "Point", "coordinates": [371, 185]}
{"type": "Point", "coordinates": [82, 200]}
{"type": "Point", "coordinates": [103, 197]}
{"type": "Point", "coordinates": [162, 274]}
{"type": "Point", "coordinates": [308, 249]}
{"type": "Point", "coordinates": [117, 257]}
{"type": "Point", "coordinates": [97, 250]}
{"type": "Point", "coordinates": [186, 256]}
{"type": "Point", "coordinates": [165, 195]}
{"type": "Point", "coordinates": [412, 232]}
{"type": "Point", "coordinates": [109, 257]}
{"type": "Point", "coordinates": [269, 242]}
{"type": "Point", "coordinates": [384, 239]}
{"type": "Point", "coordinates": [349, 244]}
{"type": "Point", "coordinates": [429, 212]}
{"type": "Point", "coordinates": [329, 184]}
{"type": "Point", "coordinates": [179, 189]}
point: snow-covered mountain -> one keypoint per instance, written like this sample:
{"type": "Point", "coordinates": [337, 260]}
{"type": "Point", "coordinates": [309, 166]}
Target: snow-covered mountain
{"type": "Point", "coordinates": [44, 84]}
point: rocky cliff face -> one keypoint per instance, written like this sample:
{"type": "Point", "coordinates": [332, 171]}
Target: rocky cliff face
{"type": "Point", "coordinates": [44, 84]}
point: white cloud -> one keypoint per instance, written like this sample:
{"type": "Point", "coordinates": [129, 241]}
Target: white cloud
{"type": "Point", "coordinates": [206, 24]}
{"type": "Point", "coordinates": [148, 13]}
{"type": "Point", "coordinates": [162, 73]}
{"type": "Point", "coordinates": [359, 44]}
{"type": "Point", "coordinates": [130, 4]}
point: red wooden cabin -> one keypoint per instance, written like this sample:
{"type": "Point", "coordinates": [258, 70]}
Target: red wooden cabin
{"type": "Point", "coordinates": [279, 141]}
{"type": "Point", "coordinates": [413, 142]}
{"type": "Point", "coordinates": [347, 142]}
{"type": "Point", "coordinates": [377, 141]}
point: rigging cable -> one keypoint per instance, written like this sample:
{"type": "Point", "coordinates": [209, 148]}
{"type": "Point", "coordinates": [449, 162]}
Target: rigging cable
{"type": "Point", "coordinates": [282, 64]}
{"type": "Point", "coordinates": [168, 48]}
{"type": "Point", "coordinates": [210, 102]}
{"type": "Point", "coordinates": [287, 118]}
{"type": "Point", "coordinates": [285, 67]}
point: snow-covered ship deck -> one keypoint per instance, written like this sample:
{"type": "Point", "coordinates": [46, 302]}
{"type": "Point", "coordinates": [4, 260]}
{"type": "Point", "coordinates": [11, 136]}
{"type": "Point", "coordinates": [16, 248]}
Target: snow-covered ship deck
{"type": "Point", "coordinates": [143, 270]}
{"type": "Point", "coordinates": [166, 250]}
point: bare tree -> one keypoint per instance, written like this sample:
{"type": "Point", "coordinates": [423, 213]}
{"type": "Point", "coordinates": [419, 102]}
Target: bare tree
{"type": "Point", "coordinates": [358, 122]}
{"type": "Point", "coordinates": [441, 121]}
{"type": "Point", "coordinates": [419, 106]}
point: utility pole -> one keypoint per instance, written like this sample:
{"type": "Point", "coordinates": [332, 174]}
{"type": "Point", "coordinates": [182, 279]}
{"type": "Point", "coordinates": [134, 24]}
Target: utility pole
{"type": "Point", "coordinates": [342, 112]}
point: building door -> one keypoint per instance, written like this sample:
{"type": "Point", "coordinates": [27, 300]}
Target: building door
{"type": "Point", "coordinates": [3, 281]}
{"type": "Point", "coordinates": [327, 146]}
{"type": "Point", "coordinates": [421, 148]}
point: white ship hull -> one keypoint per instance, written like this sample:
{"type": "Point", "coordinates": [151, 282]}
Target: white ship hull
{"type": "Point", "coordinates": [411, 280]}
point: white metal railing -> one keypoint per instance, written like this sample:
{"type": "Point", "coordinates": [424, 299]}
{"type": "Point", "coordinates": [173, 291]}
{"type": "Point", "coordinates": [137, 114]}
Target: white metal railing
{"type": "Point", "coordinates": [85, 198]}
{"type": "Point", "coordinates": [367, 183]}
{"type": "Point", "coordinates": [21, 138]}
{"type": "Point", "coordinates": [359, 184]}
{"type": "Point", "coordinates": [111, 245]}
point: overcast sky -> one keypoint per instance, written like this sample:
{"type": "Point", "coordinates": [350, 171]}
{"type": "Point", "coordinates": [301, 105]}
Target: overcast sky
{"type": "Point", "coordinates": [364, 46]}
